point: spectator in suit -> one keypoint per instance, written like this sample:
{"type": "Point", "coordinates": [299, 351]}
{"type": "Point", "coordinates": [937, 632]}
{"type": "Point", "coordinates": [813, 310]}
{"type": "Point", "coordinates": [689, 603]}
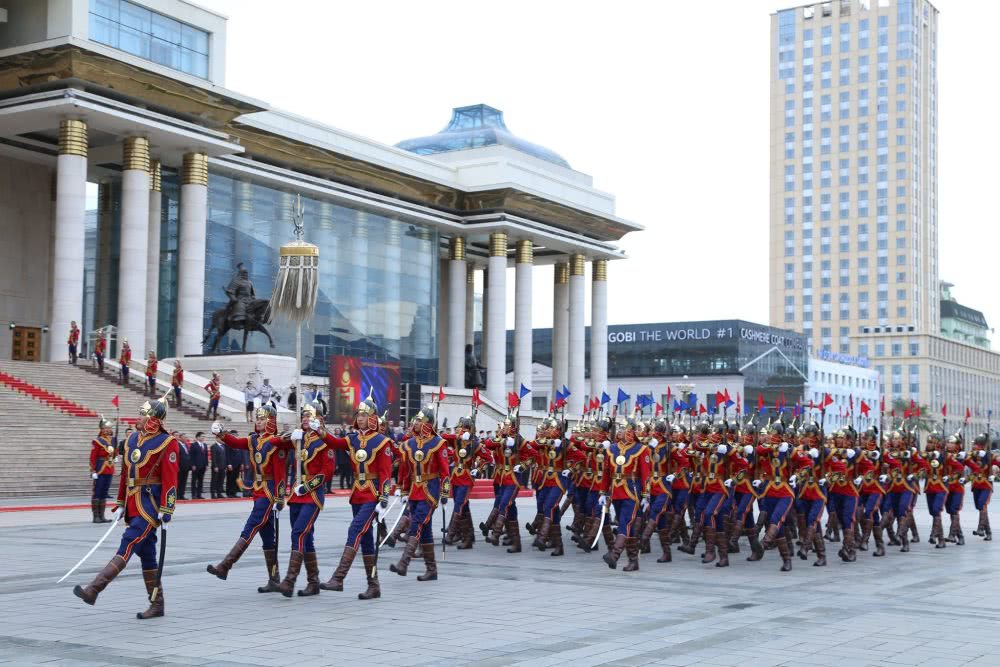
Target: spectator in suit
{"type": "Point", "coordinates": [199, 461]}
{"type": "Point", "coordinates": [233, 463]}
{"type": "Point", "coordinates": [344, 468]}
{"type": "Point", "coordinates": [218, 469]}
{"type": "Point", "coordinates": [184, 466]}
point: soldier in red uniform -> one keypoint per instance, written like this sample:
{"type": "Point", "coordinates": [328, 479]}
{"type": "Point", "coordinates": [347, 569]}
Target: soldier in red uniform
{"type": "Point", "coordinates": [267, 466]}
{"type": "Point", "coordinates": [716, 494]}
{"type": "Point", "coordinates": [73, 341]}
{"type": "Point", "coordinates": [741, 465]}
{"type": "Point", "coordinates": [550, 459]}
{"type": "Point", "coordinates": [124, 359]}
{"type": "Point", "coordinates": [841, 470]}
{"type": "Point", "coordinates": [597, 444]}
{"type": "Point", "coordinates": [314, 462]}
{"type": "Point", "coordinates": [954, 466]}
{"type": "Point", "coordinates": [902, 485]}
{"type": "Point", "coordinates": [775, 494]}
{"type": "Point", "coordinates": [660, 490]}
{"type": "Point", "coordinates": [511, 475]}
{"type": "Point", "coordinates": [147, 493]}
{"type": "Point", "coordinates": [371, 457]}
{"type": "Point", "coordinates": [423, 485]}
{"type": "Point", "coordinates": [100, 348]}
{"type": "Point", "coordinates": [982, 462]}
{"type": "Point", "coordinates": [810, 485]}
{"type": "Point", "coordinates": [468, 456]}
{"type": "Point", "coordinates": [696, 499]}
{"type": "Point", "coordinates": [177, 381]}
{"type": "Point", "coordinates": [627, 468]}
{"type": "Point", "coordinates": [214, 389]}
{"type": "Point", "coordinates": [679, 476]}
{"type": "Point", "coordinates": [935, 490]}
{"type": "Point", "coordinates": [102, 467]}
{"type": "Point", "coordinates": [872, 492]}
{"type": "Point", "coordinates": [151, 374]}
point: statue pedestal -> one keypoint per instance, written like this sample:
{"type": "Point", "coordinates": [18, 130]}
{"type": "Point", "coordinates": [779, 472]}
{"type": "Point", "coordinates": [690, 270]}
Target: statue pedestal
{"type": "Point", "coordinates": [236, 369]}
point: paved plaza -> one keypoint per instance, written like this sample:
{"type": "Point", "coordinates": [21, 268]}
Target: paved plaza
{"type": "Point", "coordinates": [934, 607]}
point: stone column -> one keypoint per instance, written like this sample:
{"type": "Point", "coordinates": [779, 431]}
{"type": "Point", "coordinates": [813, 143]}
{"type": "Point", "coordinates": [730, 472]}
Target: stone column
{"type": "Point", "coordinates": [191, 254]}
{"type": "Point", "coordinates": [560, 329]}
{"type": "Point", "coordinates": [599, 328]}
{"type": "Point", "coordinates": [134, 244]}
{"type": "Point", "coordinates": [496, 326]}
{"type": "Point", "coordinates": [393, 289]}
{"type": "Point", "coordinates": [443, 326]}
{"type": "Point", "coordinates": [67, 249]}
{"type": "Point", "coordinates": [577, 334]}
{"type": "Point", "coordinates": [102, 296]}
{"type": "Point", "coordinates": [523, 265]}
{"type": "Point", "coordinates": [457, 284]}
{"type": "Point", "coordinates": [483, 342]}
{"type": "Point", "coordinates": [153, 255]}
{"type": "Point", "coordinates": [470, 303]}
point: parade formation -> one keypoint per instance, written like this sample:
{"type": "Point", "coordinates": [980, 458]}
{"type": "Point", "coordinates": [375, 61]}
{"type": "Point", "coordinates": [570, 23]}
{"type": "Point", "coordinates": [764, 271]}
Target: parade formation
{"type": "Point", "coordinates": [693, 480]}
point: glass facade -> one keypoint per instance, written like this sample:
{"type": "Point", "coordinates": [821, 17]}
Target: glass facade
{"type": "Point", "coordinates": [150, 35]}
{"type": "Point", "coordinates": [379, 277]}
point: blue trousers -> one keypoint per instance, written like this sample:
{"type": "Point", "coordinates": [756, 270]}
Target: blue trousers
{"type": "Point", "coordinates": [496, 495]}
{"type": "Point", "coordinates": [870, 504]}
{"type": "Point", "coordinates": [460, 494]}
{"type": "Point", "coordinates": [954, 502]}
{"type": "Point", "coordinates": [152, 382]}
{"type": "Point", "coordinates": [981, 497]}
{"type": "Point", "coordinates": [659, 511]}
{"type": "Point", "coordinates": [844, 506]}
{"type": "Point", "coordinates": [700, 503]}
{"type": "Point", "coordinates": [549, 498]}
{"type": "Point", "coordinates": [508, 498]}
{"type": "Point", "coordinates": [935, 503]}
{"type": "Point", "coordinates": [901, 502]}
{"type": "Point", "coordinates": [139, 538]}
{"type": "Point", "coordinates": [714, 513]}
{"type": "Point", "coordinates": [593, 509]}
{"type": "Point", "coordinates": [360, 533]}
{"type": "Point", "coordinates": [679, 501]}
{"type": "Point", "coordinates": [101, 486]}
{"type": "Point", "coordinates": [261, 520]}
{"type": "Point", "coordinates": [177, 394]}
{"type": "Point", "coordinates": [627, 511]}
{"type": "Point", "coordinates": [744, 509]}
{"type": "Point", "coordinates": [124, 372]}
{"type": "Point", "coordinates": [777, 509]}
{"type": "Point", "coordinates": [421, 515]}
{"type": "Point", "coordinates": [302, 517]}
{"type": "Point", "coordinates": [812, 510]}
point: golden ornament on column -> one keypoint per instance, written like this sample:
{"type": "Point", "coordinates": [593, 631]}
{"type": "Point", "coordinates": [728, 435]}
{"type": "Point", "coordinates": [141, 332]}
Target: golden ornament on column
{"type": "Point", "coordinates": [194, 169]}
{"type": "Point", "coordinates": [562, 273]}
{"type": "Point", "coordinates": [498, 244]}
{"type": "Point", "coordinates": [600, 269]}
{"type": "Point", "coordinates": [525, 252]}
{"type": "Point", "coordinates": [577, 264]}
{"type": "Point", "coordinates": [135, 154]}
{"type": "Point", "coordinates": [457, 249]}
{"type": "Point", "coordinates": [155, 176]}
{"type": "Point", "coordinates": [73, 137]}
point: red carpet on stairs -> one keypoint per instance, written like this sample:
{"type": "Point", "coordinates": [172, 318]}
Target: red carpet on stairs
{"type": "Point", "coordinates": [45, 396]}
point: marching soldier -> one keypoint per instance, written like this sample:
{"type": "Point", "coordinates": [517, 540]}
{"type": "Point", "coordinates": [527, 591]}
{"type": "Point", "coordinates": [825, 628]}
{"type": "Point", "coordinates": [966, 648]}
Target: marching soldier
{"type": "Point", "coordinates": [314, 465]}
{"type": "Point", "coordinates": [935, 490]}
{"type": "Point", "coordinates": [775, 493]}
{"type": "Point", "coordinates": [741, 476]}
{"type": "Point", "coordinates": [124, 359]}
{"type": "Point", "coordinates": [955, 478]}
{"type": "Point", "coordinates": [267, 465]}
{"type": "Point", "coordinates": [469, 456]}
{"type": "Point", "coordinates": [717, 501]}
{"type": "Point", "coordinates": [214, 389]}
{"type": "Point", "coordinates": [511, 475]}
{"type": "Point", "coordinates": [73, 341]}
{"type": "Point", "coordinates": [151, 373]}
{"type": "Point", "coordinates": [872, 492]}
{"type": "Point", "coordinates": [423, 484]}
{"type": "Point", "coordinates": [549, 456]}
{"type": "Point", "coordinates": [597, 445]}
{"type": "Point", "coordinates": [371, 457]}
{"type": "Point", "coordinates": [660, 490]}
{"type": "Point", "coordinates": [679, 477]}
{"type": "Point", "coordinates": [841, 469]}
{"type": "Point", "coordinates": [102, 467]}
{"type": "Point", "coordinates": [901, 480]}
{"type": "Point", "coordinates": [627, 467]}
{"type": "Point", "coordinates": [147, 493]}
{"type": "Point", "coordinates": [177, 381]}
{"type": "Point", "coordinates": [981, 462]}
{"type": "Point", "coordinates": [100, 347]}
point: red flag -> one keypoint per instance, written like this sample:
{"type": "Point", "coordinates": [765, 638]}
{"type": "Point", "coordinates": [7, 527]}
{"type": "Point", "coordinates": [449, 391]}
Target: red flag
{"type": "Point", "coordinates": [881, 406]}
{"type": "Point", "coordinates": [760, 402]}
{"type": "Point", "coordinates": [739, 410]}
{"type": "Point", "coordinates": [916, 412]}
{"type": "Point", "coordinates": [701, 409]}
{"type": "Point", "coordinates": [669, 394]}
{"type": "Point", "coordinates": [944, 410]}
{"type": "Point", "coordinates": [851, 397]}
{"type": "Point", "coordinates": [440, 394]}
{"type": "Point", "coordinates": [659, 409]}
{"type": "Point", "coordinates": [552, 407]}
{"type": "Point", "coordinates": [725, 394]}
{"type": "Point", "coordinates": [864, 408]}
{"type": "Point", "coordinates": [810, 404]}
{"type": "Point", "coordinates": [719, 398]}
{"type": "Point", "coordinates": [906, 413]}
{"type": "Point", "coordinates": [114, 401]}
{"type": "Point", "coordinates": [827, 400]}
{"type": "Point", "coordinates": [968, 414]}
{"type": "Point", "coordinates": [476, 401]}
{"type": "Point", "coordinates": [912, 405]}
{"type": "Point", "coordinates": [512, 400]}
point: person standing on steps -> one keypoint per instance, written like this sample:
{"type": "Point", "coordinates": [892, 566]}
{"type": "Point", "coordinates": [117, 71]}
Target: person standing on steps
{"type": "Point", "coordinates": [151, 374]}
{"type": "Point", "coordinates": [100, 347]}
{"type": "Point", "coordinates": [124, 359]}
{"type": "Point", "coordinates": [214, 389]}
{"type": "Point", "coordinates": [176, 382]}
{"type": "Point", "coordinates": [103, 456]}
{"type": "Point", "coordinates": [73, 341]}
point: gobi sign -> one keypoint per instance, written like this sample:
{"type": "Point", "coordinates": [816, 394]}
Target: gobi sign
{"type": "Point", "coordinates": [726, 330]}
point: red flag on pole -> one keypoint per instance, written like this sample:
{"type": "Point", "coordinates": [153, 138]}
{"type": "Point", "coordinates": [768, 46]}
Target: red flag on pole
{"type": "Point", "coordinates": [881, 406]}
{"type": "Point", "coordinates": [701, 409]}
{"type": "Point", "coordinates": [811, 405]}
{"type": "Point", "coordinates": [512, 400]}
{"type": "Point", "coordinates": [968, 414]}
{"type": "Point", "coordinates": [440, 394]}
{"type": "Point", "coordinates": [739, 409]}
{"type": "Point", "coordinates": [720, 399]}
{"type": "Point", "coordinates": [114, 401]}
{"type": "Point", "coordinates": [907, 413]}
{"type": "Point", "coordinates": [944, 410]}
{"type": "Point", "coordinates": [851, 397]}
{"type": "Point", "coordinates": [760, 402]}
{"type": "Point", "coordinates": [669, 394]}
{"type": "Point", "coordinates": [864, 408]}
{"type": "Point", "coordinates": [659, 409]}
{"type": "Point", "coordinates": [475, 398]}
{"type": "Point", "coordinates": [827, 400]}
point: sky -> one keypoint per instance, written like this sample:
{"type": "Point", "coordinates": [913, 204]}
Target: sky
{"type": "Point", "coordinates": [665, 104]}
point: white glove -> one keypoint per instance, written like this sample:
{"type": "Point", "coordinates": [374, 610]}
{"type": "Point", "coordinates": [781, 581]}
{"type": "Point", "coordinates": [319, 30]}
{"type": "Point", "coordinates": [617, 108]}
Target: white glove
{"type": "Point", "coordinates": [216, 428]}
{"type": "Point", "coordinates": [945, 478]}
{"type": "Point", "coordinates": [883, 478]}
{"type": "Point", "coordinates": [822, 481]}
{"type": "Point", "coordinates": [118, 511]}
{"type": "Point", "coordinates": [163, 520]}
{"type": "Point", "coordinates": [474, 473]}
{"type": "Point", "coordinates": [466, 436]}
{"type": "Point", "coordinates": [814, 453]}
{"type": "Point", "coordinates": [875, 454]}
{"type": "Point", "coordinates": [606, 444]}
{"type": "Point", "coordinates": [557, 443]}
{"type": "Point", "coordinates": [992, 478]}
{"type": "Point", "coordinates": [851, 453]}
{"type": "Point", "coordinates": [980, 453]}
{"type": "Point", "coordinates": [565, 473]}
{"type": "Point", "coordinates": [910, 478]}
{"type": "Point", "coordinates": [509, 442]}
{"type": "Point", "coordinates": [793, 479]}
{"type": "Point", "coordinates": [297, 434]}
{"type": "Point", "coordinates": [721, 449]}
{"type": "Point", "coordinates": [728, 483]}
{"type": "Point", "coordinates": [961, 480]}
{"type": "Point", "coordinates": [380, 511]}
{"type": "Point", "coordinates": [792, 484]}
{"type": "Point", "coordinates": [118, 460]}
{"type": "Point", "coordinates": [858, 480]}
{"type": "Point", "coordinates": [748, 450]}
{"type": "Point", "coordinates": [397, 493]}
{"type": "Point", "coordinates": [301, 490]}
{"type": "Point", "coordinates": [913, 450]}
{"type": "Point", "coordinates": [602, 501]}
{"type": "Point", "coordinates": [783, 447]}
{"type": "Point", "coordinates": [93, 475]}
{"type": "Point", "coordinates": [404, 499]}
{"type": "Point", "coordinates": [669, 478]}
{"type": "Point", "coordinates": [961, 456]}
{"type": "Point", "coordinates": [314, 425]}
{"type": "Point", "coordinates": [756, 483]}
{"type": "Point", "coordinates": [517, 468]}
{"type": "Point", "coordinates": [644, 505]}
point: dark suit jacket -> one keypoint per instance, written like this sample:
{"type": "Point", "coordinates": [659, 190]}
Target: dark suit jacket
{"type": "Point", "coordinates": [219, 456]}
{"type": "Point", "coordinates": [199, 455]}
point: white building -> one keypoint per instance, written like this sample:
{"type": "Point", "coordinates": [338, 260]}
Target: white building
{"type": "Point", "coordinates": [844, 378]}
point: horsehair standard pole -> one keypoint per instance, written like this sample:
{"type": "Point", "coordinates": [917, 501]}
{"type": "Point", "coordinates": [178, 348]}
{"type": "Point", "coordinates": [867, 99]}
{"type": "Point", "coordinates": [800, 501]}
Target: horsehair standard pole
{"type": "Point", "coordinates": [295, 290]}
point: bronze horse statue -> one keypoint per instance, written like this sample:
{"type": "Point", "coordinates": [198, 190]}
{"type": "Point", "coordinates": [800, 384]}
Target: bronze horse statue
{"type": "Point", "coordinates": [257, 314]}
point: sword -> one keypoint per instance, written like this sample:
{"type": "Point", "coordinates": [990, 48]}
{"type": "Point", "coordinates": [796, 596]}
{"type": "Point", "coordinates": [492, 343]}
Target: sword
{"type": "Point", "coordinates": [92, 549]}
{"type": "Point", "coordinates": [604, 514]}
{"type": "Point", "coordinates": [394, 524]}
{"type": "Point", "coordinates": [159, 567]}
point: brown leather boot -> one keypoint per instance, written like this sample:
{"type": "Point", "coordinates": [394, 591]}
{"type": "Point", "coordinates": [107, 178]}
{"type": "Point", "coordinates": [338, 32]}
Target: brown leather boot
{"type": "Point", "coordinates": [647, 533]}
{"type": "Point", "coordinates": [497, 529]}
{"type": "Point", "coordinates": [877, 536]}
{"type": "Point", "coordinates": [722, 546]}
{"type": "Point", "coordinates": [801, 535]}
{"type": "Point", "coordinates": [664, 535]}
{"type": "Point", "coordinates": [632, 551]}
{"type": "Point", "coordinates": [588, 531]}
{"type": "Point", "coordinates": [535, 523]}
{"type": "Point", "coordinates": [404, 560]}
{"type": "Point", "coordinates": [709, 545]}
{"type": "Point", "coordinates": [486, 525]}
{"type": "Point", "coordinates": [467, 532]}
{"type": "Point", "coordinates": [399, 531]}
{"type": "Point", "coordinates": [914, 535]}
{"type": "Point", "coordinates": [371, 572]}
{"type": "Point", "coordinates": [784, 550]}
{"type": "Point", "coordinates": [692, 544]}
{"type": "Point", "coordinates": [904, 533]}
{"type": "Point", "coordinates": [155, 592]}
{"type": "Point", "coordinates": [93, 510]}
{"type": "Point", "coordinates": [770, 537]}
{"type": "Point", "coordinates": [611, 558]}
{"type": "Point", "coordinates": [819, 544]}
{"type": "Point", "coordinates": [271, 561]}
{"type": "Point", "coordinates": [336, 582]}
{"type": "Point", "coordinates": [607, 534]}
{"type": "Point", "coordinates": [312, 575]}
{"type": "Point", "coordinates": [756, 550]}
{"type": "Point", "coordinates": [681, 535]}
{"type": "Point", "coordinates": [866, 533]}
{"type": "Point", "coordinates": [987, 533]}
{"type": "Point", "coordinates": [792, 525]}
{"type": "Point", "coordinates": [555, 539]}
{"type": "Point", "coordinates": [833, 527]}
{"type": "Point", "coordinates": [287, 585]}
{"type": "Point", "coordinates": [514, 533]}
{"type": "Point", "coordinates": [90, 592]}
{"type": "Point", "coordinates": [807, 541]}
{"type": "Point", "coordinates": [222, 569]}
{"type": "Point", "coordinates": [451, 535]}
{"type": "Point", "coordinates": [937, 532]}
{"type": "Point", "coordinates": [542, 533]}
{"type": "Point", "coordinates": [431, 573]}
{"type": "Point", "coordinates": [733, 530]}
{"type": "Point", "coordinates": [891, 532]}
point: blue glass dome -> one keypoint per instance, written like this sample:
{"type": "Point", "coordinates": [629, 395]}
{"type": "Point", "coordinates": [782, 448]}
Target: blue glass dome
{"type": "Point", "coordinates": [474, 127]}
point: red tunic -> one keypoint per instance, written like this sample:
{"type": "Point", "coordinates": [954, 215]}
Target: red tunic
{"type": "Point", "coordinates": [840, 473]}
{"type": "Point", "coordinates": [868, 468]}
{"type": "Point", "coordinates": [213, 390]}
{"type": "Point", "coordinates": [772, 468]}
{"type": "Point", "coordinates": [627, 471]}
{"type": "Point", "coordinates": [102, 456]}
{"type": "Point", "coordinates": [659, 466]}
{"type": "Point", "coordinates": [151, 368]}
{"type": "Point", "coordinates": [899, 466]}
{"type": "Point", "coordinates": [74, 336]}
{"type": "Point", "coordinates": [177, 378]}
{"type": "Point", "coordinates": [100, 346]}
{"type": "Point", "coordinates": [414, 475]}
{"type": "Point", "coordinates": [317, 466]}
{"type": "Point", "coordinates": [506, 458]}
{"type": "Point", "coordinates": [267, 463]}
{"type": "Point", "coordinates": [740, 471]}
{"type": "Point", "coordinates": [150, 462]}
{"type": "Point", "coordinates": [125, 358]}
{"type": "Point", "coordinates": [933, 469]}
{"type": "Point", "coordinates": [980, 462]}
{"type": "Point", "coordinates": [955, 470]}
{"type": "Point", "coordinates": [371, 458]}
{"type": "Point", "coordinates": [805, 470]}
